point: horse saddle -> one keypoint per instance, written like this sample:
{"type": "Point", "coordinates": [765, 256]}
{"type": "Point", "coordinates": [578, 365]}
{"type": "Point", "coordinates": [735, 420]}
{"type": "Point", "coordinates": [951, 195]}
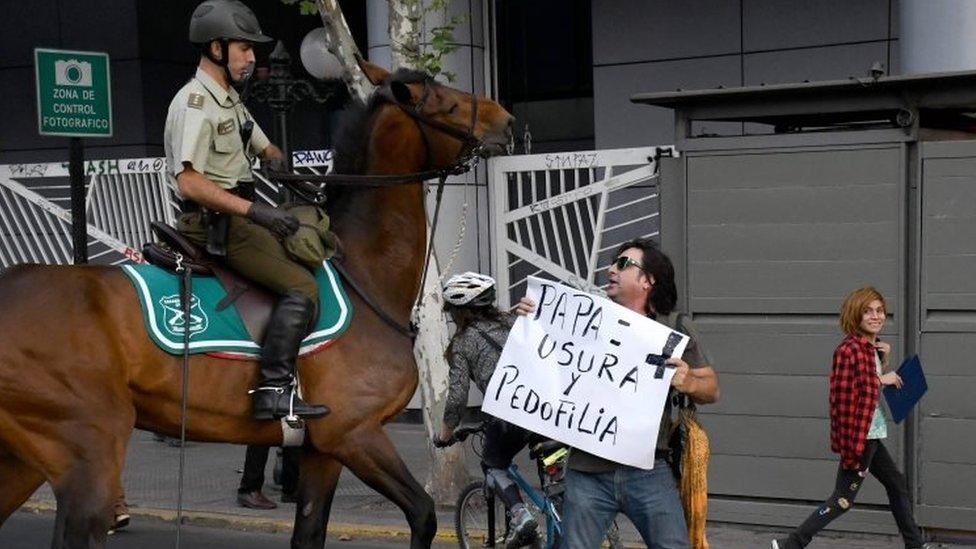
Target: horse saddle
{"type": "Point", "coordinates": [254, 304]}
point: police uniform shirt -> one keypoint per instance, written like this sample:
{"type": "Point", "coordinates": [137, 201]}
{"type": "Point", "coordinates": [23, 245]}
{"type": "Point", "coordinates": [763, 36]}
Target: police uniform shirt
{"type": "Point", "coordinates": [203, 128]}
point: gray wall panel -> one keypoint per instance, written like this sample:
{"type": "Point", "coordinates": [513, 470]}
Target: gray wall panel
{"type": "Point", "coordinates": [948, 255]}
{"type": "Point", "coordinates": [949, 396]}
{"type": "Point", "coordinates": [825, 63]}
{"type": "Point", "coordinates": [866, 204]}
{"type": "Point", "coordinates": [775, 240]}
{"type": "Point", "coordinates": [774, 24]}
{"type": "Point", "coordinates": [948, 354]}
{"type": "Point", "coordinates": [948, 484]}
{"type": "Point", "coordinates": [772, 395]}
{"type": "Point", "coordinates": [956, 438]}
{"type": "Point", "coordinates": [825, 168]}
{"type": "Point", "coordinates": [947, 417]}
{"type": "Point", "coordinates": [790, 241]}
{"type": "Point", "coordinates": [945, 236]}
{"type": "Point", "coordinates": [809, 354]}
{"type": "Point", "coordinates": [642, 30]}
{"type": "Point", "coordinates": [778, 281]}
{"type": "Point", "coordinates": [751, 435]}
{"type": "Point", "coordinates": [748, 220]}
{"type": "Point", "coordinates": [950, 274]}
{"type": "Point", "coordinates": [807, 479]}
{"type": "Point", "coordinates": [620, 123]}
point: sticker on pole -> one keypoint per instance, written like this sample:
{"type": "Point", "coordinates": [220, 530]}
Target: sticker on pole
{"type": "Point", "coordinates": [74, 93]}
{"type": "Point", "coordinates": [587, 372]}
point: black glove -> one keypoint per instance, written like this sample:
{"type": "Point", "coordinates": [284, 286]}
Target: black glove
{"type": "Point", "coordinates": [275, 165]}
{"type": "Point", "coordinates": [440, 443]}
{"type": "Point", "coordinates": [275, 220]}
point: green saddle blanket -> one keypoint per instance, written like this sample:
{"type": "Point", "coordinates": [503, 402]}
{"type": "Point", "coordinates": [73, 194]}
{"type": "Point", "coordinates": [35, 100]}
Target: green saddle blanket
{"type": "Point", "coordinates": [213, 331]}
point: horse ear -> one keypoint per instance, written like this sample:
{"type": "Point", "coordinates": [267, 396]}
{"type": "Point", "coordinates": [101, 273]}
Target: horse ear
{"type": "Point", "coordinates": [374, 73]}
{"type": "Point", "coordinates": [401, 92]}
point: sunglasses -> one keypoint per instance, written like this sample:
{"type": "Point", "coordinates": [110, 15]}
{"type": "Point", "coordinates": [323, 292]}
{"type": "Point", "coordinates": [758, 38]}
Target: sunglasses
{"type": "Point", "coordinates": [623, 262]}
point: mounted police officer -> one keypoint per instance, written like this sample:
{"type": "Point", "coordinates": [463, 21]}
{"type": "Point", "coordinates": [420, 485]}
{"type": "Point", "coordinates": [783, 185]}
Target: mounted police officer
{"type": "Point", "coordinates": [210, 140]}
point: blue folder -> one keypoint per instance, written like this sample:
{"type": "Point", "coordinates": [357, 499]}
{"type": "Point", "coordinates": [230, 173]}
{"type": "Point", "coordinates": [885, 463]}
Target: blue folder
{"type": "Point", "coordinates": [901, 401]}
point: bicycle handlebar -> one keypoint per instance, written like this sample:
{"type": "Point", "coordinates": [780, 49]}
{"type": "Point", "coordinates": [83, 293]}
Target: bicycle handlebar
{"type": "Point", "coordinates": [460, 434]}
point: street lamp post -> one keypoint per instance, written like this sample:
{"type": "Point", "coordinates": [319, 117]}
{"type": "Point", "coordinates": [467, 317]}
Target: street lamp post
{"type": "Point", "coordinates": [281, 90]}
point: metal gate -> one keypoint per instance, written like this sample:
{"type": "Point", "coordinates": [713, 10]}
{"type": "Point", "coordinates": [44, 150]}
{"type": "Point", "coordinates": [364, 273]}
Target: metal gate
{"type": "Point", "coordinates": [561, 216]}
{"type": "Point", "coordinates": [123, 197]}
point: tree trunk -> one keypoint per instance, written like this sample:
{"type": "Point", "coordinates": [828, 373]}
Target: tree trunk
{"type": "Point", "coordinates": [342, 45]}
{"type": "Point", "coordinates": [447, 473]}
{"type": "Point", "coordinates": [405, 32]}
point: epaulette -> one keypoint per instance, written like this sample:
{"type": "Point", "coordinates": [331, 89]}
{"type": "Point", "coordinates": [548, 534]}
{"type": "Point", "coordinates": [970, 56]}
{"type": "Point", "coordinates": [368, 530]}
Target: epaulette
{"type": "Point", "coordinates": [195, 101]}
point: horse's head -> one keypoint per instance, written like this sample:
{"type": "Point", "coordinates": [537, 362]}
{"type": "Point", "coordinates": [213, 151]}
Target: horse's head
{"type": "Point", "coordinates": [455, 123]}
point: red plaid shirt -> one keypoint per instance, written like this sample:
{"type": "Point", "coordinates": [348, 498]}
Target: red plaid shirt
{"type": "Point", "coordinates": [854, 389]}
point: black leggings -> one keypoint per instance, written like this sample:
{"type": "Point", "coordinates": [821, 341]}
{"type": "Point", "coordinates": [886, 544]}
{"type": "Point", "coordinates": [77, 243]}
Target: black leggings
{"type": "Point", "coordinates": [503, 441]}
{"type": "Point", "coordinates": [878, 461]}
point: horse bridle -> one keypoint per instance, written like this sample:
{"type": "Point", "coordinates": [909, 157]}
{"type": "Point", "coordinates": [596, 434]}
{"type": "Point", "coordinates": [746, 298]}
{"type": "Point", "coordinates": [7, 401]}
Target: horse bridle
{"type": "Point", "coordinates": [472, 148]}
{"type": "Point", "coordinates": [471, 145]}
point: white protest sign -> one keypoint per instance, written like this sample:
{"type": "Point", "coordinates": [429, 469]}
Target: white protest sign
{"type": "Point", "coordinates": [587, 372]}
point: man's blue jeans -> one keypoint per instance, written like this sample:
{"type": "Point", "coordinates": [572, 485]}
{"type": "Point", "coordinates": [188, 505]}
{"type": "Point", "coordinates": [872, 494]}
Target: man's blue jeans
{"type": "Point", "coordinates": [648, 498]}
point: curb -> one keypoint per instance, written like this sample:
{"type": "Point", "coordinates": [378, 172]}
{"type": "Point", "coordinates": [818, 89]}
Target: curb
{"type": "Point", "coordinates": [342, 531]}
{"type": "Point", "coordinates": [254, 524]}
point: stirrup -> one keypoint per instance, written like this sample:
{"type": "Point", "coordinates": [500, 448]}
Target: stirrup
{"type": "Point", "coordinates": [293, 419]}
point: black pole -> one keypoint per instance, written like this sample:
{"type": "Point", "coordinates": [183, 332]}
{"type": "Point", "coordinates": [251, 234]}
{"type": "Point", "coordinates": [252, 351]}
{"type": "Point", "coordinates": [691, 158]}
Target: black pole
{"type": "Point", "coordinates": [281, 137]}
{"type": "Point", "coordinates": [281, 103]}
{"type": "Point", "coordinates": [79, 225]}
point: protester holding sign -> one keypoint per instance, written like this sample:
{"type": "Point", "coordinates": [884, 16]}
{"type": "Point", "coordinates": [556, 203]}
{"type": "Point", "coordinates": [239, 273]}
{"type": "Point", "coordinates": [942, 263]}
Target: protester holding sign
{"type": "Point", "coordinates": [641, 279]}
{"type": "Point", "coordinates": [857, 422]}
{"type": "Point", "coordinates": [472, 354]}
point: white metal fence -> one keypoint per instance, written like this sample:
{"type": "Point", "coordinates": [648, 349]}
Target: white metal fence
{"type": "Point", "coordinates": [123, 196]}
{"type": "Point", "coordinates": [561, 216]}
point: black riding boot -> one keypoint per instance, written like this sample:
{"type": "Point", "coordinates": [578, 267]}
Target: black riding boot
{"type": "Point", "coordinates": [276, 391]}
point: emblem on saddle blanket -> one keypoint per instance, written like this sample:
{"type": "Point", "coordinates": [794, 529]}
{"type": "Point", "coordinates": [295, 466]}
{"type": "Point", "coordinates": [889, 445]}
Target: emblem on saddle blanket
{"type": "Point", "coordinates": [222, 333]}
{"type": "Point", "coordinates": [174, 320]}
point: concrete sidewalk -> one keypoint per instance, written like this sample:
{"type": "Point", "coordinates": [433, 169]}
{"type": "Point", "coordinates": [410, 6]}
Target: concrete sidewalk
{"type": "Point", "coordinates": [213, 472]}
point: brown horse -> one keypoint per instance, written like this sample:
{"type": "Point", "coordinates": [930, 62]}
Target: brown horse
{"type": "Point", "coordinates": [78, 371]}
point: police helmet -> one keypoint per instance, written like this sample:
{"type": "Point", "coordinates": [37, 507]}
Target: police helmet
{"type": "Point", "coordinates": [225, 19]}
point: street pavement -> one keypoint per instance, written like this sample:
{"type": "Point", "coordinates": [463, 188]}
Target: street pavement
{"type": "Point", "coordinates": [30, 531]}
{"type": "Point", "coordinates": [213, 472]}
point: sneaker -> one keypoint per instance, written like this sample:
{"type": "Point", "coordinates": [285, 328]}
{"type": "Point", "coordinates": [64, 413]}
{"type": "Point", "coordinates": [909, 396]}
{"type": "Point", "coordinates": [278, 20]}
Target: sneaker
{"type": "Point", "coordinates": [121, 515]}
{"type": "Point", "coordinates": [522, 530]}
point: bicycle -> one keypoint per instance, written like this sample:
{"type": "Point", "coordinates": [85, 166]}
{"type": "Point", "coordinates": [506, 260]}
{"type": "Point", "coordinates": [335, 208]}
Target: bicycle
{"type": "Point", "coordinates": [479, 517]}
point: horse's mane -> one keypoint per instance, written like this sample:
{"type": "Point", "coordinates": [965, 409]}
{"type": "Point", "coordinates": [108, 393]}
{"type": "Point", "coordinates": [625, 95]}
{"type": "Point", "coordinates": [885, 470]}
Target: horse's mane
{"type": "Point", "coordinates": [352, 132]}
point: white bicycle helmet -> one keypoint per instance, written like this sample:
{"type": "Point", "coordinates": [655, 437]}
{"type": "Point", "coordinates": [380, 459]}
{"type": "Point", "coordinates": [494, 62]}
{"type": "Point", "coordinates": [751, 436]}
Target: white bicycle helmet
{"type": "Point", "coordinates": [470, 289]}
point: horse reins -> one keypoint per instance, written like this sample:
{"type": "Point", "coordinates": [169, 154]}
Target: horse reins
{"type": "Point", "coordinates": [472, 148]}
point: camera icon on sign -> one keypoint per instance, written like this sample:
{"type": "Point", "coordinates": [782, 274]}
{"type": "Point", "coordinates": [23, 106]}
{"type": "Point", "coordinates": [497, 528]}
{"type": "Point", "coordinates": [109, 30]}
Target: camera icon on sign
{"type": "Point", "coordinates": [71, 72]}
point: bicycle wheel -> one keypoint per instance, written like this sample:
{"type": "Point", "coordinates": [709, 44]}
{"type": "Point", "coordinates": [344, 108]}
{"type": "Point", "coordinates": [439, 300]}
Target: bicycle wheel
{"type": "Point", "coordinates": [471, 518]}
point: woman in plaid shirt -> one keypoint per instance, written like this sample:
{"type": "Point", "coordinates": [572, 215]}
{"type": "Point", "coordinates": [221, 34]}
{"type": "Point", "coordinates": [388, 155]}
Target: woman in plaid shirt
{"type": "Point", "coordinates": [857, 422]}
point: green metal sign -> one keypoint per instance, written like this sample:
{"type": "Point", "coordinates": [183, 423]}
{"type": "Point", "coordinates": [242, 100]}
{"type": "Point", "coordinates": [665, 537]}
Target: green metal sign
{"type": "Point", "coordinates": [74, 93]}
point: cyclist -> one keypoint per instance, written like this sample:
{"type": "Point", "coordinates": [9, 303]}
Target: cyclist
{"type": "Point", "coordinates": [472, 354]}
